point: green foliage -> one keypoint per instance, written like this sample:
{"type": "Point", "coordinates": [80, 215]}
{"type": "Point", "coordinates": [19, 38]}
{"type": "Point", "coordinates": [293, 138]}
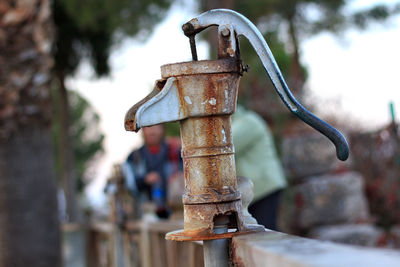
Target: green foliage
{"type": "Point", "coordinates": [86, 136]}
{"type": "Point", "coordinates": [278, 49]}
{"type": "Point", "coordinates": [314, 16]}
{"type": "Point", "coordinates": [257, 76]}
{"type": "Point", "coordinates": [172, 129]}
{"type": "Point", "coordinates": [377, 13]}
{"type": "Point", "coordinates": [88, 29]}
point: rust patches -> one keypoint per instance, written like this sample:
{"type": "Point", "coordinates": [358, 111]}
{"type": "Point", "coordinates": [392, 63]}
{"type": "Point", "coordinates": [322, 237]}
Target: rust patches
{"type": "Point", "coordinates": [236, 260]}
{"type": "Point", "coordinates": [225, 49]}
{"type": "Point", "coordinates": [209, 157]}
{"type": "Point", "coordinates": [160, 84]}
{"type": "Point", "coordinates": [209, 151]}
{"type": "Point", "coordinates": [228, 65]}
{"type": "Point", "coordinates": [211, 97]}
{"type": "Point", "coordinates": [197, 235]}
{"type": "Point", "coordinates": [183, 235]}
{"type": "Point", "coordinates": [200, 219]}
{"type": "Point", "coordinates": [181, 96]}
{"type": "Point", "coordinates": [212, 195]}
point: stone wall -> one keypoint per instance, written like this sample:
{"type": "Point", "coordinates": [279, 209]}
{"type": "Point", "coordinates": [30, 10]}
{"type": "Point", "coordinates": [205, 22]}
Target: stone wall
{"type": "Point", "coordinates": [327, 198]}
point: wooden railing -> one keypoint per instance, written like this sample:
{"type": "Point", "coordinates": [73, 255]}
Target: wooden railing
{"type": "Point", "coordinates": [143, 244]}
{"type": "Point", "coordinates": [138, 244]}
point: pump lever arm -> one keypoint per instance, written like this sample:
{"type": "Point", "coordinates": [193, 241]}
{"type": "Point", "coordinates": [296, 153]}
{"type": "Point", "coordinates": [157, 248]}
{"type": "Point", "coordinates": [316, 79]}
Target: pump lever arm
{"type": "Point", "coordinates": [243, 26]}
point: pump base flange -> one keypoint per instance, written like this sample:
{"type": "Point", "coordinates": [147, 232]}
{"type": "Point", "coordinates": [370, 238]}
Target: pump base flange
{"type": "Point", "coordinates": [182, 235]}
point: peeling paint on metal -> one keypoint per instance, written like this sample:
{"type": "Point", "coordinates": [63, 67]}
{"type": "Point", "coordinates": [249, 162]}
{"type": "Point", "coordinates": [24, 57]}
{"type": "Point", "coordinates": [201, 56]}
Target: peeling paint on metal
{"type": "Point", "coordinates": [187, 99]}
{"type": "Point", "coordinates": [224, 136]}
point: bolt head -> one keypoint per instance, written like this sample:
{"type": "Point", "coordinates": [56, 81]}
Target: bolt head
{"type": "Point", "coordinates": [188, 29]}
{"type": "Point", "coordinates": [225, 32]}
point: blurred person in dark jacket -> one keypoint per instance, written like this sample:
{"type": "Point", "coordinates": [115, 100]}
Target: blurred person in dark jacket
{"type": "Point", "coordinates": [149, 168]}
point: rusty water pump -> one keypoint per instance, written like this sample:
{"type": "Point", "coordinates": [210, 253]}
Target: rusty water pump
{"type": "Point", "coordinates": [202, 96]}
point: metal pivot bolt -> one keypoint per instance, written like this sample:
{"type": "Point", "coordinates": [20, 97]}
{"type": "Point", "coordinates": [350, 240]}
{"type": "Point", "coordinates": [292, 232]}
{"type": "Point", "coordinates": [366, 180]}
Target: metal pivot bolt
{"type": "Point", "coordinates": [225, 32]}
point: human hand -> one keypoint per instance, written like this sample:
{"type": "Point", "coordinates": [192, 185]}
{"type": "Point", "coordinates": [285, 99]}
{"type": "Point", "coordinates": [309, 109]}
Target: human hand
{"type": "Point", "coordinates": [176, 175]}
{"type": "Point", "coordinates": [152, 178]}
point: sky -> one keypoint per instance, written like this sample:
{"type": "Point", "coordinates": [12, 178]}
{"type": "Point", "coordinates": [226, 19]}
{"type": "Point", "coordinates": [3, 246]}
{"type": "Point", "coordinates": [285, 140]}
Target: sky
{"type": "Point", "coordinates": [355, 75]}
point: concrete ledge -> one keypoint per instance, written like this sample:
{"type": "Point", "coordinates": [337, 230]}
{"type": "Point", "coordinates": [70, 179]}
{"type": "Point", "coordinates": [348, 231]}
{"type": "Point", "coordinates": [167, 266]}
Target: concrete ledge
{"type": "Point", "coordinates": [271, 249]}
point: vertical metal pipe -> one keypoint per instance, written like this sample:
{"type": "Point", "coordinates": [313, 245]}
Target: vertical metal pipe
{"type": "Point", "coordinates": [216, 252]}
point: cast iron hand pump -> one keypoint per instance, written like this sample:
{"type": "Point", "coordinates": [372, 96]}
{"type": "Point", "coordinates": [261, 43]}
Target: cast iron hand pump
{"type": "Point", "coordinates": [202, 96]}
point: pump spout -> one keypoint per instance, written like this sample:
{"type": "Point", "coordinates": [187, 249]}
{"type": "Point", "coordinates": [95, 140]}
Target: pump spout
{"type": "Point", "coordinates": [160, 106]}
{"type": "Point", "coordinates": [130, 116]}
{"type": "Point", "coordinates": [174, 99]}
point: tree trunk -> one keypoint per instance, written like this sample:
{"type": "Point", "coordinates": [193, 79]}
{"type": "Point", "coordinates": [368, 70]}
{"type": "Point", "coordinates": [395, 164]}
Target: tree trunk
{"type": "Point", "coordinates": [28, 205]}
{"type": "Point", "coordinates": [29, 234]}
{"type": "Point", "coordinates": [67, 167]}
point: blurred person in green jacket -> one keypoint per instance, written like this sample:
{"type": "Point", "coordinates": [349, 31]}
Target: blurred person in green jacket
{"type": "Point", "coordinates": [256, 158]}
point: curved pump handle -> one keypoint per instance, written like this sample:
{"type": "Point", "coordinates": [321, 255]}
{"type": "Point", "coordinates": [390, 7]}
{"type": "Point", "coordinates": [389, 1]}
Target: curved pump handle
{"type": "Point", "coordinates": [242, 26]}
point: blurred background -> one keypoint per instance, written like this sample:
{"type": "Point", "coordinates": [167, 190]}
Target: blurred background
{"type": "Point", "coordinates": [70, 70]}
